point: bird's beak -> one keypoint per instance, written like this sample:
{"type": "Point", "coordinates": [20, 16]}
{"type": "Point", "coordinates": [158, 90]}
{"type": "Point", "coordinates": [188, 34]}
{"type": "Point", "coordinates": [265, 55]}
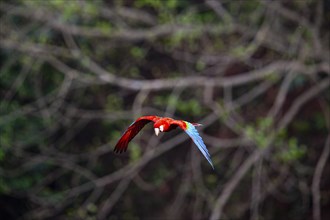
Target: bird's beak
{"type": "Point", "coordinates": [156, 131]}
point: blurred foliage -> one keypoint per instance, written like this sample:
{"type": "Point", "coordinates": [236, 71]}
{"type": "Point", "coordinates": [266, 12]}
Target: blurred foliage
{"type": "Point", "coordinates": [260, 133]}
{"type": "Point", "coordinates": [61, 115]}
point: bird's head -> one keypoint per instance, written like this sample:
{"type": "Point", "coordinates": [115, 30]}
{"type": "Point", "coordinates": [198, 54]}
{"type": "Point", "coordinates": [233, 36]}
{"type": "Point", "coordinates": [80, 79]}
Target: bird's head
{"type": "Point", "coordinates": [161, 126]}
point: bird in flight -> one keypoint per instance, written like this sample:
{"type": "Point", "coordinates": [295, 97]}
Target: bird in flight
{"type": "Point", "coordinates": [162, 124]}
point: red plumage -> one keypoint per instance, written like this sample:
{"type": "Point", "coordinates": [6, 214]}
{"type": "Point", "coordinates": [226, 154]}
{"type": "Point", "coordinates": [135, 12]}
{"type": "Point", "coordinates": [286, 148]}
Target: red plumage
{"type": "Point", "coordinates": [167, 123]}
{"type": "Point", "coordinates": [163, 125]}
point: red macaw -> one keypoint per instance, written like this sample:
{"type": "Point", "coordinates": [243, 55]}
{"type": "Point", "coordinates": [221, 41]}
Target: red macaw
{"type": "Point", "coordinates": [162, 125]}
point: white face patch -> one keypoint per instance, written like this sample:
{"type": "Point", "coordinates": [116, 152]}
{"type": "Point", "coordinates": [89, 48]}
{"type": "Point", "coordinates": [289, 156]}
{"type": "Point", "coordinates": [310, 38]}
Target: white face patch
{"type": "Point", "coordinates": [161, 128]}
{"type": "Point", "coordinates": [156, 131]}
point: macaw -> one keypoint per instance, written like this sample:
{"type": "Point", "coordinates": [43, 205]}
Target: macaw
{"type": "Point", "coordinates": [162, 124]}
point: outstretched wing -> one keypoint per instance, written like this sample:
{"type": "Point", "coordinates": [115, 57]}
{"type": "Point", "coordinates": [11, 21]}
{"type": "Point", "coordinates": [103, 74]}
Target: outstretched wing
{"type": "Point", "coordinates": [193, 133]}
{"type": "Point", "coordinates": [132, 131]}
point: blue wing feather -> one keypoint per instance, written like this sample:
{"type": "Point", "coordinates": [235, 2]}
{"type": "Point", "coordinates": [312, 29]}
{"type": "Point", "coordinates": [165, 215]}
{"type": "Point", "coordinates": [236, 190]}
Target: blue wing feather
{"type": "Point", "coordinates": [193, 133]}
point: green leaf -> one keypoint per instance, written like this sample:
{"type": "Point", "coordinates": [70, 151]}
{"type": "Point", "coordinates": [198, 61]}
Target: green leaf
{"type": "Point", "coordinates": [135, 152]}
{"type": "Point", "coordinates": [138, 52]}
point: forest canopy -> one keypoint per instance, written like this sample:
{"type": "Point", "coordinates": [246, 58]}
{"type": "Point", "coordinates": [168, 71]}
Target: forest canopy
{"type": "Point", "coordinates": [75, 74]}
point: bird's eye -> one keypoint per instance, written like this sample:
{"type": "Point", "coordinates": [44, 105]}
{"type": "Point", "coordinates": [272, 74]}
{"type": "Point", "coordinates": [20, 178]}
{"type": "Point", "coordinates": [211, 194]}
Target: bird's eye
{"type": "Point", "coordinates": [161, 128]}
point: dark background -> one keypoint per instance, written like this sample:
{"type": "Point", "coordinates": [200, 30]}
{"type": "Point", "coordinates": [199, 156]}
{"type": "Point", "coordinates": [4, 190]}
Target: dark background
{"type": "Point", "coordinates": [75, 74]}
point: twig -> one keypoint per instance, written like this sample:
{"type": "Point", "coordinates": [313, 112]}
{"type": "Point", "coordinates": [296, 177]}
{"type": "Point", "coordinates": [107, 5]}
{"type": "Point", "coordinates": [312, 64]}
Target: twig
{"type": "Point", "coordinates": [317, 180]}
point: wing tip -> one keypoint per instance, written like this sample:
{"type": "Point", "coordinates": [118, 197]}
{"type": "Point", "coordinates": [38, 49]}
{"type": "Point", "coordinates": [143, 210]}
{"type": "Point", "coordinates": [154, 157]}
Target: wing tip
{"type": "Point", "coordinates": [120, 149]}
{"type": "Point", "coordinates": [211, 165]}
{"type": "Point", "coordinates": [116, 151]}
